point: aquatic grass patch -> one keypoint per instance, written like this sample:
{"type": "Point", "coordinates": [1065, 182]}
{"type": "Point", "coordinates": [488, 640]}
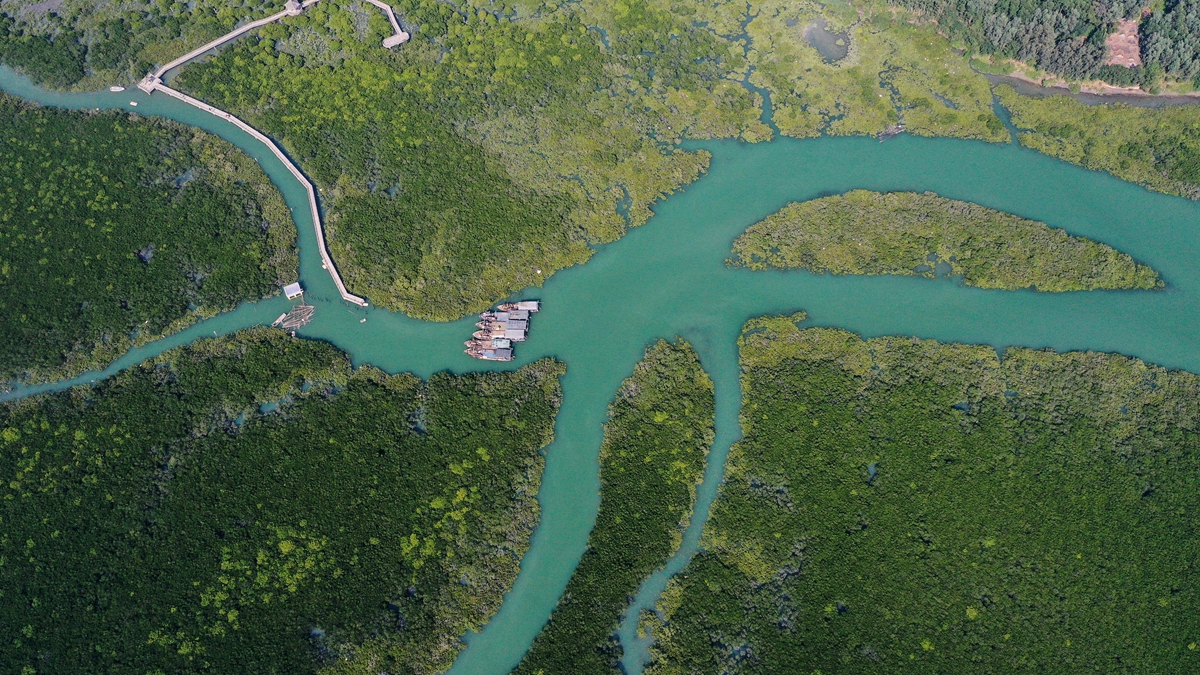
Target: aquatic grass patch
{"type": "Point", "coordinates": [101, 247]}
{"type": "Point", "coordinates": [1022, 513]}
{"type": "Point", "coordinates": [161, 522]}
{"type": "Point", "coordinates": [908, 233]}
{"type": "Point", "coordinates": [893, 72]}
{"type": "Point", "coordinates": [658, 434]}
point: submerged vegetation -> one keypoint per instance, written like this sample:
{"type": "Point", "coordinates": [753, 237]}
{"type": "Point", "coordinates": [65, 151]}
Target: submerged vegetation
{"type": "Point", "coordinates": [864, 232]}
{"type": "Point", "coordinates": [659, 432]}
{"type": "Point", "coordinates": [116, 230]}
{"type": "Point", "coordinates": [163, 522]}
{"type": "Point", "coordinates": [1155, 147]}
{"type": "Point", "coordinates": [902, 504]}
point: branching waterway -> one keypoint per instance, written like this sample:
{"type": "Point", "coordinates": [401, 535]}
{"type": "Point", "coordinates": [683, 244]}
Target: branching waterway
{"type": "Point", "coordinates": [669, 278]}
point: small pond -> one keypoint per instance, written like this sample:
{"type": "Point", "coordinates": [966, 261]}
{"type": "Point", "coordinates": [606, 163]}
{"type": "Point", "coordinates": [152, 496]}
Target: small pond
{"type": "Point", "coordinates": [831, 46]}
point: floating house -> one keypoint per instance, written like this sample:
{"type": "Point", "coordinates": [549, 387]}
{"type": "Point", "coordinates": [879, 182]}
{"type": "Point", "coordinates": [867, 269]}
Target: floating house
{"type": "Point", "coordinates": [293, 291]}
{"type": "Point", "coordinates": [499, 328]}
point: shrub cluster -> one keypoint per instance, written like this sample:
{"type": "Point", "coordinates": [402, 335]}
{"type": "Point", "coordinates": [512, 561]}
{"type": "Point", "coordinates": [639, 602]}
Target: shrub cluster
{"type": "Point", "coordinates": [907, 233]}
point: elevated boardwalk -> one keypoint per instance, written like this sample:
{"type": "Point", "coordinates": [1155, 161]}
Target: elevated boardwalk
{"type": "Point", "coordinates": [294, 8]}
{"type": "Point", "coordinates": [153, 82]}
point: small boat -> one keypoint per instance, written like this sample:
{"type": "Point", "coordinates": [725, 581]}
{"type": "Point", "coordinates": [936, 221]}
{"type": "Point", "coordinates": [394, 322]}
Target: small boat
{"type": "Point", "coordinates": [116, 87]}
{"type": "Point", "coordinates": [133, 103]}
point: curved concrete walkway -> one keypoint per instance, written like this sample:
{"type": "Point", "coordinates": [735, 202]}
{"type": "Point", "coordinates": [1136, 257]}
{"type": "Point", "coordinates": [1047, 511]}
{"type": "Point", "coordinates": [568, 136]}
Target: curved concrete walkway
{"type": "Point", "coordinates": [153, 82]}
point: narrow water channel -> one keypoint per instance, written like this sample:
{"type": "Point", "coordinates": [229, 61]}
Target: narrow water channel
{"type": "Point", "coordinates": [668, 278]}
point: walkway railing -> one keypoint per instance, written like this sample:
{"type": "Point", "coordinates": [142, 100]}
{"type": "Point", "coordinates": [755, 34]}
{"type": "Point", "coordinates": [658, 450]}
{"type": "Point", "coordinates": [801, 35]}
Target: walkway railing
{"type": "Point", "coordinates": [153, 82]}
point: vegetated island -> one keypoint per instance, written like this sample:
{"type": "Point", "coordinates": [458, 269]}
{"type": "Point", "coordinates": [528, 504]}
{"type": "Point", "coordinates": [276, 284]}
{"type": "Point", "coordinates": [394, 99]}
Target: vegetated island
{"type": "Point", "coordinates": [907, 233]}
{"type": "Point", "coordinates": [254, 504]}
{"type": "Point", "coordinates": [1155, 147]}
{"type": "Point", "coordinates": [651, 460]}
{"type": "Point", "coordinates": [116, 230]}
{"type": "Point", "coordinates": [906, 505]}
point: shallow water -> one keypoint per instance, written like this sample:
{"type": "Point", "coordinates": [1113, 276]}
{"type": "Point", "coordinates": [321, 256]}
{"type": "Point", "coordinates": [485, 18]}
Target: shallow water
{"type": "Point", "coordinates": [668, 278]}
{"type": "Point", "coordinates": [832, 47]}
{"type": "Point", "coordinates": [1027, 88]}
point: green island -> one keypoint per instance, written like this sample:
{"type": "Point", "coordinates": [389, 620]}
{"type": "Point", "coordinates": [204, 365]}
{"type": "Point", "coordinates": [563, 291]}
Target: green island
{"type": "Point", "coordinates": [907, 233]}
{"type": "Point", "coordinates": [1155, 147]}
{"type": "Point", "coordinates": [116, 230]}
{"type": "Point", "coordinates": [904, 505]}
{"type": "Point", "coordinates": [652, 458]}
{"type": "Point", "coordinates": [252, 504]}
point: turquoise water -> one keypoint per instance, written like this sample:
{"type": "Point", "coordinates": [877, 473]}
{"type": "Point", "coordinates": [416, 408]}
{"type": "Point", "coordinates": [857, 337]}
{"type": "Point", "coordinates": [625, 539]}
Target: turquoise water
{"type": "Point", "coordinates": [668, 278]}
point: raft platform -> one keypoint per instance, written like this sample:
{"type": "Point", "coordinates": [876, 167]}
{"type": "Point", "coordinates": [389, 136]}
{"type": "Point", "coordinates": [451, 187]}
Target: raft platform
{"type": "Point", "coordinates": [300, 315]}
{"type": "Point", "coordinates": [499, 329]}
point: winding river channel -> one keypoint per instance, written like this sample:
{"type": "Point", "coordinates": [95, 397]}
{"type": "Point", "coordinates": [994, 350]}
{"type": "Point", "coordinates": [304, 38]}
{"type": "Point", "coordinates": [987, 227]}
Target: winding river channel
{"type": "Point", "coordinates": [669, 278]}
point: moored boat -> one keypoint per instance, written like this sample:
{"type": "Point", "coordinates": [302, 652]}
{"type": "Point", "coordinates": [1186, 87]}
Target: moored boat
{"type": "Point", "coordinates": [499, 329]}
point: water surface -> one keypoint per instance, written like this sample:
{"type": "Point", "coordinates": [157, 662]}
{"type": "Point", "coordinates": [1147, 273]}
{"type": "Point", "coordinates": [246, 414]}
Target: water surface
{"type": "Point", "coordinates": [668, 278]}
{"type": "Point", "coordinates": [832, 47]}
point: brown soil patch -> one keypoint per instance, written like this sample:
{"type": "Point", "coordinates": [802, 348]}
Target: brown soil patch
{"type": "Point", "coordinates": [1123, 45]}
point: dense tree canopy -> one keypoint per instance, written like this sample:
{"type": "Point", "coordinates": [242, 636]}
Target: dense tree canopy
{"type": "Point", "coordinates": [1065, 37]}
{"type": "Point", "coordinates": [1170, 38]}
{"type": "Point", "coordinates": [165, 521]}
{"type": "Point", "coordinates": [88, 44]}
{"type": "Point", "coordinates": [116, 229]}
{"type": "Point", "coordinates": [901, 505]}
